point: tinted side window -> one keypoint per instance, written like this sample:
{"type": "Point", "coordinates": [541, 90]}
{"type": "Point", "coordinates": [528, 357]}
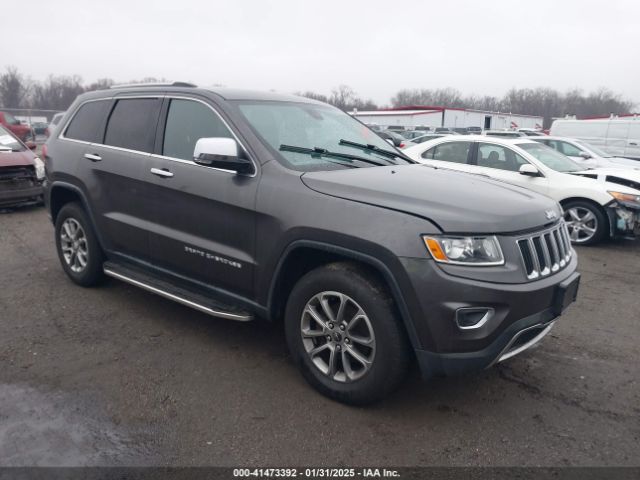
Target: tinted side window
{"type": "Point", "coordinates": [132, 124]}
{"type": "Point", "coordinates": [497, 156]}
{"type": "Point", "coordinates": [87, 121]}
{"type": "Point", "coordinates": [456, 152]}
{"type": "Point", "coordinates": [187, 122]}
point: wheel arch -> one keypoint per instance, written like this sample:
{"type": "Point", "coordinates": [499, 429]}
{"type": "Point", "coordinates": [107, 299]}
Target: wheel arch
{"type": "Point", "coordinates": [302, 256]}
{"type": "Point", "coordinates": [61, 193]}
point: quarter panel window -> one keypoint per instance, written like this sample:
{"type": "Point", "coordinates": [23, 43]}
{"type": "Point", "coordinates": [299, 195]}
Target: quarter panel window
{"type": "Point", "coordinates": [455, 152]}
{"type": "Point", "coordinates": [497, 156]}
{"type": "Point", "coordinates": [87, 121]}
{"type": "Point", "coordinates": [132, 124]}
{"type": "Point", "coordinates": [187, 122]}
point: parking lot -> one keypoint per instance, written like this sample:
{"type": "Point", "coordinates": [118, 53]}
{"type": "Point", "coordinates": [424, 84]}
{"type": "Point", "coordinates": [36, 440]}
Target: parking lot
{"type": "Point", "coordinates": [116, 375]}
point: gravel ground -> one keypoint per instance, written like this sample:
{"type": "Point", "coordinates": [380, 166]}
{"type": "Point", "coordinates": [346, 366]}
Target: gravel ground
{"type": "Point", "coordinates": [117, 376]}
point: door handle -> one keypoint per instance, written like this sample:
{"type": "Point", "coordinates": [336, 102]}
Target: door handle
{"type": "Point", "coordinates": [93, 157]}
{"type": "Point", "coordinates": [162, 172]}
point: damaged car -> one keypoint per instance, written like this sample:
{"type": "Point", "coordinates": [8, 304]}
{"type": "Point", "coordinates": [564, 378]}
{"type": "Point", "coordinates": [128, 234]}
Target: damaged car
{"type": "Point", "coordinates": [21, 171]}
{"type": "Point", "coordinates": [598, 202]}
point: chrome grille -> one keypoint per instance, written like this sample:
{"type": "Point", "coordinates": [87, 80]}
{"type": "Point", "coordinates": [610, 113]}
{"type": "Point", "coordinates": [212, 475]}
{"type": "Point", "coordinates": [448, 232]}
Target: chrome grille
{"type": "Point", "coordinates": [545, 252]}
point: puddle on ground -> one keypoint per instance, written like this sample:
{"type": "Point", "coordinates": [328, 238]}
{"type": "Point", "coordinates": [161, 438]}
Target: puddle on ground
{"type": "Point", "coordinates": [58, 429]}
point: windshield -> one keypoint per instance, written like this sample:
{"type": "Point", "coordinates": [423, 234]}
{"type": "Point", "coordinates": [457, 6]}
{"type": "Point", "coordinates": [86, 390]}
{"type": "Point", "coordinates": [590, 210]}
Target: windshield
{"type": "Point", "coordinates": [8, 141]}
{"type": "Point", "coordinates": [550, 157]}
{"type": "Point", "coordinates": [312, 126]}
{"type": "Point", "coordinates": [596, 150]}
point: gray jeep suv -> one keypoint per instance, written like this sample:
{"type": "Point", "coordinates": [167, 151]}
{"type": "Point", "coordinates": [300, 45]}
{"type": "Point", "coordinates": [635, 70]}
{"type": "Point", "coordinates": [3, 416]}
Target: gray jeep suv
{"type": "Point", "coordinates": [251, 205]}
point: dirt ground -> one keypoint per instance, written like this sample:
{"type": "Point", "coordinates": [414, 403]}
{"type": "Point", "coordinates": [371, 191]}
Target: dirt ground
{"type": "Point", "coordinates": [118, 376]}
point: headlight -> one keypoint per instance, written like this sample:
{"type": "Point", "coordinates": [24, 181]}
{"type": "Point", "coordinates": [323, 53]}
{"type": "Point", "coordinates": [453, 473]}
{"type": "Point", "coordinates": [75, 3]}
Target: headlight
{"type": "Point", "coordinates": [628, 198]}
{"type": "Point", "coordinates": [39, 164]}
{"type": "Point", "coordinates": [472, 251]}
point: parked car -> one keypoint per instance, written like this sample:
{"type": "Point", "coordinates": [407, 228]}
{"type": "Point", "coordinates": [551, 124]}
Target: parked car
{"type": "Point", "coordinates": [444, 130]}
{"type": "Point", "coordinates": [11, 123]}
{"type": "Point", "coordinates": [585, 154]}
{"type": "Point", "coordinates": [411, 134]}
{"type": "Point", "coordinates": [21, 171]}
{"type": "Point", "coordinates": [531, 132]}
{"type": "Point", "coordinates": [243, 205]}
{"type": "Point", "coordinates": [39, 128]}
{"type": "Point", "coordinates": [55, 120]}
{"type": "Point", "coordinates": [395, 139]}
{"type": "Point", "coordinates": [428, 137]}
{"type": "Point", "coordinates": [474, 130]}
{"type": "Point", "coordinates": [597, 203]}
{"type": "Point", "coordinates": [504, 133]}
{"type": "Point", "coordinates": [461, 130]}
{"type": "Point", "coordinates": [618, 136]}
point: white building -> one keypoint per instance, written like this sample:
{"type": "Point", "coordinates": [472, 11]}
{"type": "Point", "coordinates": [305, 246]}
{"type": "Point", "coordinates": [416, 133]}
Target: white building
{"type": "Point", "coordinates": [419, 116]}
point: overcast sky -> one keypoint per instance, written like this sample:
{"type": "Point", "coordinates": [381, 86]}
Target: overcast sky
{"type": "Point", "coordinates": [376, 47]}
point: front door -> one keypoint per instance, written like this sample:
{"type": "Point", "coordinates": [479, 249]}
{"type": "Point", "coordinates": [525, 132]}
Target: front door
{"type": "Point", "coordinates": [502, 163]}
{"type": "Point", "coordinates": [205, 217]}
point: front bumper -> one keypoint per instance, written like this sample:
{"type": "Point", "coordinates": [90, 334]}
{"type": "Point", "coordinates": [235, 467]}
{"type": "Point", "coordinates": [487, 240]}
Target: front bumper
{"type": "Point", "coordinates": [10, 195]}
{"type": "Point", "coordinates": [521, 315]}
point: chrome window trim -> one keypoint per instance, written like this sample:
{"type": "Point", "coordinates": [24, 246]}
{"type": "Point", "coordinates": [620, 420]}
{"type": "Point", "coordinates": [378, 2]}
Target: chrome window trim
{"type": "Point", "coordinates": [154, 155]}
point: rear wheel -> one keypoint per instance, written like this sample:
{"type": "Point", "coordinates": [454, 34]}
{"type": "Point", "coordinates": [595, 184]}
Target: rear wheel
{"type": "Point", "coordinates": [586, 223]}
{"type": "Point", "coordinates": [78, 248]}
{"type": "Point", "coordinates": [345, 335]}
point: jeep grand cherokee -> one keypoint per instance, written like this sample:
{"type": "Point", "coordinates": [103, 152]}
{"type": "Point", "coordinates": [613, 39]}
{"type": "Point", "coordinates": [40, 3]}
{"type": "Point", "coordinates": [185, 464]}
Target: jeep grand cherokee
{"type": "Point", "coordinates": [251, 205]}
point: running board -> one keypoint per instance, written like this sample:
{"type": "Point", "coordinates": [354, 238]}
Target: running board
{"type": "Point", "coordinates": [190, 299]}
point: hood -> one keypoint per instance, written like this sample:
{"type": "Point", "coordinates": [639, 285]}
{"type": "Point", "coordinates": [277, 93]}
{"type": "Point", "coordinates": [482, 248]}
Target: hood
{"type": "Point", "coordinates": [455, 201]}
{"type": "Point", "coordinates": [617, 162]}
{"type": "Point", "coordinates": [16, 159]}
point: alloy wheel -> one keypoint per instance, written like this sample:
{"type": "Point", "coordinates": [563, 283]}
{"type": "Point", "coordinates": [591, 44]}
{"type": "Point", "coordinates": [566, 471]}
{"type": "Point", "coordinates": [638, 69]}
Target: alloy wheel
{"type": "Point", "coordinates": [338, 336]}
{"type": "Point", "coordinates": [581, 223]}
{"type": "Point", "coordinates": [73, 242]}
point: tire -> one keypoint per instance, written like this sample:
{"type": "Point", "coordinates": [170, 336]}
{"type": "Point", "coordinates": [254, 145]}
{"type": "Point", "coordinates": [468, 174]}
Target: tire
{"type": "Point", "coordinates": [385, 346]}
{"type": "Point", "coordinates": [80, 255]}
{"type": "Point", "coordinates": [586, 222]}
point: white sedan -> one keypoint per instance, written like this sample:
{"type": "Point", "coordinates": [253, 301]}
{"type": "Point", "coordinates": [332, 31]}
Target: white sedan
{"type": "Point", "coordinates": [597, 202]}
{"type": "Point", "coordinates": [586, 154]}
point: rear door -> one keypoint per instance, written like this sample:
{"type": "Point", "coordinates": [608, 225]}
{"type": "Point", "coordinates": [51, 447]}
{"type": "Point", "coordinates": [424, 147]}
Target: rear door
{"type": "Point", "coordinates": [502, 163]}
{"type": "Point", "coordinates": [120, 188]}
{"type": "Point", "coordinates": [205, 217]}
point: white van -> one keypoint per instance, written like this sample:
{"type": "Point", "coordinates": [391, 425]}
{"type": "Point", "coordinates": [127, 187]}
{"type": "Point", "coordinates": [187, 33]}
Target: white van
{"type": "Point", "coordinates": [618, 136]}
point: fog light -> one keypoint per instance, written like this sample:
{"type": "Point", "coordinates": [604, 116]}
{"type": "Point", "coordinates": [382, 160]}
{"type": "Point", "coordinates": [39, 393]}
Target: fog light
{"type": "Point", "coordinates": [468, 318]}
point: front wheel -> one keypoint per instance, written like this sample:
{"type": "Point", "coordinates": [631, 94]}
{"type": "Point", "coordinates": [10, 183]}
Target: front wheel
{"type": "Point", "coordinates": [586, 223]}
{"type": "Point", "coordinates": [345, 335]}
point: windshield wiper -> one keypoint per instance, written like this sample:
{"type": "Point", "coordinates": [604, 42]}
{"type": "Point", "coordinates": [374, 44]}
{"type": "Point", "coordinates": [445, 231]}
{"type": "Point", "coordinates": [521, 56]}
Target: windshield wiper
{"type": "Point", "coordinates": [323, 152]}
{"type": "Point", "coordinates": [374, 148]}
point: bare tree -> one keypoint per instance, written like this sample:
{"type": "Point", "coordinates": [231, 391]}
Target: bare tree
{"type": "Point", "coordinates": [56, 93]}
{"type": "Point", "coordinates": [14, 88]}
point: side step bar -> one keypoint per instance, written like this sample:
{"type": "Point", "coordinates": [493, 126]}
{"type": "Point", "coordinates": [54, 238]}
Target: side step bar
{"type": "Point", "coordinates": [180, 295]}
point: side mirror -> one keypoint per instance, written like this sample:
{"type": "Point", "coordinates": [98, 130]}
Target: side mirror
{"type": "Point", "coordinates": [31, 145]}
{"type": "Point", "coordinates": [223, 153]}
{"type": "Point", "coordinates": [529, 170]}
{"type": "Point", "coordinates": [585, 155]}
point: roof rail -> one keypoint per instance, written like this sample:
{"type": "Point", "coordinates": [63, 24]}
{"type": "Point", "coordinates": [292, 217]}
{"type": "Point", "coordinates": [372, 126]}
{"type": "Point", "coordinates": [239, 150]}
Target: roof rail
{"type": "Point", "coordinates": [154, 84]}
